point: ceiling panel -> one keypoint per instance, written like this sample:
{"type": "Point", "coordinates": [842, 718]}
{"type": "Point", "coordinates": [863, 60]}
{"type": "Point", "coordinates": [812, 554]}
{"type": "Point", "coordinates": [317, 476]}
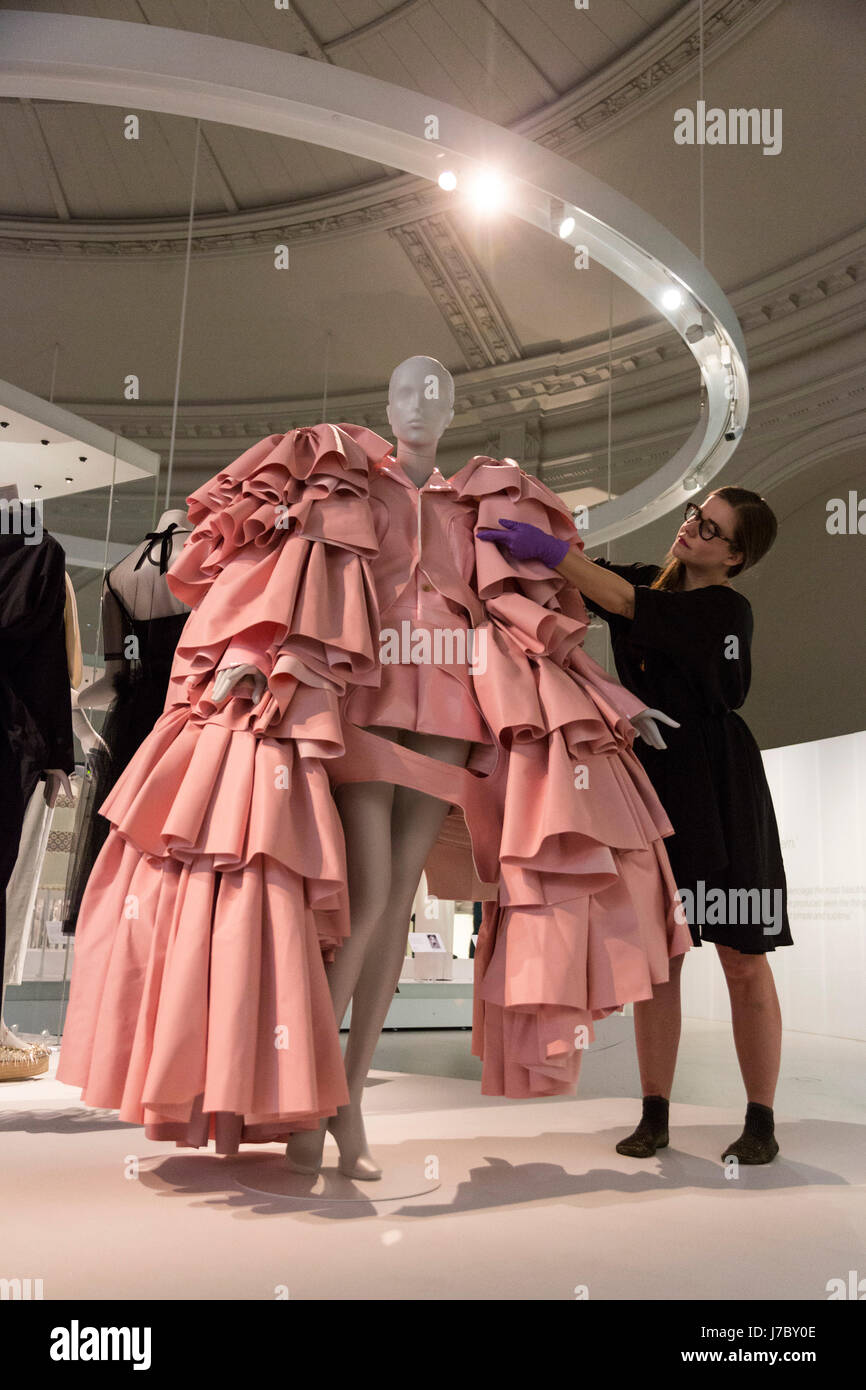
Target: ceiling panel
{"type": "Point", "coordinates": [252, 332]}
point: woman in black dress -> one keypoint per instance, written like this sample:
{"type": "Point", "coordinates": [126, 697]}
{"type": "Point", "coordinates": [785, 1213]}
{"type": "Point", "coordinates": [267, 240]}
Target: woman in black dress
{"type": "Point", "coordinates": [681, 636]}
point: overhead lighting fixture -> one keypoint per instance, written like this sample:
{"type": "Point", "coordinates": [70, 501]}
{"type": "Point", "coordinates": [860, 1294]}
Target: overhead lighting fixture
{"type": "Point", "coordinates": [566, 227]}
{"type": "Point", "coordinates": [488, 190]}
{"type": "Point", "coordinates": [671, 299]}
{"type": "Point", "coordinates": [447, 180]}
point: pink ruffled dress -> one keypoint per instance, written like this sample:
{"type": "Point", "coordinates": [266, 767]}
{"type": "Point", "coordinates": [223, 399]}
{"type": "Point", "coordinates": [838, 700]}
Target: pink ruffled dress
{"type": "Point", "coordinates": [199, 1003]}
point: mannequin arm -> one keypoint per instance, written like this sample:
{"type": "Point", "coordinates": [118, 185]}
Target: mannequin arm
{"type": "Point", "coordinates": [647, 729]}
{"type": "Point", "coordinates": [55, 779]}
{"type": "Point", "coordinates": [85, 732]}
{"type": "Point", "coordinates": [229, 679]}
{"type": "Point", "coordinates": [101, 694]}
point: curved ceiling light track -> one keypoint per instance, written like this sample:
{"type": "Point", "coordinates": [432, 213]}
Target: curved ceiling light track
{"type": "Point", "coordinates": [113, 63]}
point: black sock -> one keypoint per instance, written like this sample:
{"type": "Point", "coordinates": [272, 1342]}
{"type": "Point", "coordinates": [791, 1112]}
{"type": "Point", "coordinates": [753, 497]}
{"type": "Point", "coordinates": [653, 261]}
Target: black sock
{"type": "Point", "coordinates": [757, 1143]}
{"type": "Point", "coordinates": [759, 1121]}
{"type": "Point", "coordinates": [651, 1133]}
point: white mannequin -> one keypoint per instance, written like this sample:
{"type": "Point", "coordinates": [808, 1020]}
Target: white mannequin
{"type": "Point", "coordinates": [389, 830]}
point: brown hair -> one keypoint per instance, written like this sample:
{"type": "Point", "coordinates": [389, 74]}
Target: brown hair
{"type": "Point", "coordinates": [754, 532]}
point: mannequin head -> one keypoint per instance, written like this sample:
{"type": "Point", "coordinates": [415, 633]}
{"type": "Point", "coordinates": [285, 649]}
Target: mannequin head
{"type": "Point", "coordinates": [420, 402]}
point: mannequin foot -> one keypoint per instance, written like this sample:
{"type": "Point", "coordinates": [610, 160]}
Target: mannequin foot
{"type": "Point", "coordinates": [10, 1039]}
{"type": "Point", "coordinates": [356, 1161]}
{"type": "Point", "coordinates": [651, 1133]}
{"type": "Point", "coordinates": [19, 1061]}
{"type": "Point", "coordinates": [304, 1150]}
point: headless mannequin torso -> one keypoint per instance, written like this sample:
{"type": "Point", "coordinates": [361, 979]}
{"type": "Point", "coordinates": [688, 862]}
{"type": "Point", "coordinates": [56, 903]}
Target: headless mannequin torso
{"type": "Point", "coordinates": [145, 594]}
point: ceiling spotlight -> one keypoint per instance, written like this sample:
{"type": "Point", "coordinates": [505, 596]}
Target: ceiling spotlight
{"type": "Point", "coordinates": [726, 354]}
{"type": "Point", "coordinates": [691, 482]}
{"type": "Point", "coordinates": [488, 190]}
{"type": "Point", "coordinates": [69, 480]}
{"type": "Point", "coordinates": [566, 227]}
{"type": "Point", "coordinates": [671, 299]}
{"type": "Point", "coordinates": [447, 180]}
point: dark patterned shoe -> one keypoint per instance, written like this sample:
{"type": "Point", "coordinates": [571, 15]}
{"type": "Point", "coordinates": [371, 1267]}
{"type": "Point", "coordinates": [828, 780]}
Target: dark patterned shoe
{"type": "Point", "coordinates": [643, 1142]}
{"type": "Point", "coordinates": [749, 1148]}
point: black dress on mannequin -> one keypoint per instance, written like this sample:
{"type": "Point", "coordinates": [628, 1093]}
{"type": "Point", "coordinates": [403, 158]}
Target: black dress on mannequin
{"type": "Point", "coordinates": [35, 704]}
{"type": "Point", "coordinates": [146, 643]}
{"type": "Point", "coordinates": [710, 778]}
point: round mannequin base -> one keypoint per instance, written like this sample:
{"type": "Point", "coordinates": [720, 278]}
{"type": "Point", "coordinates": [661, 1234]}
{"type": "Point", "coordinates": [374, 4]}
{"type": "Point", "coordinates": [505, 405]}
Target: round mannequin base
{"type": "Point", "coordinates": [269, 1175]}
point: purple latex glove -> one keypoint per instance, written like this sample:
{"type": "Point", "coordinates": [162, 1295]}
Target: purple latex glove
{"type": "Point", "coordinates": [523, 541]}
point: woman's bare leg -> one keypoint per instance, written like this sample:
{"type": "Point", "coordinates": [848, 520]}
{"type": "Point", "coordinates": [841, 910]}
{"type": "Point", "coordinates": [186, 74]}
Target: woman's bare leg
{"type": "Point", "coordinates": [657, 1023]}
{"type": "Point", "coordinates": [757, 1022]}
{"type": "Point", "coordinates": [657, 1035]}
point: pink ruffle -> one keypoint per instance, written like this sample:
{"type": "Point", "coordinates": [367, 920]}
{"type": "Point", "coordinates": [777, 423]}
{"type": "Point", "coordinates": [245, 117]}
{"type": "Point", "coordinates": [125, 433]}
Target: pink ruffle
{"type": "Point", "coordinates": [199, 1003]}
{"type": "Point", "coordinates": [586, 917]}
{"type": "Point", "coordinates": [200, 991]}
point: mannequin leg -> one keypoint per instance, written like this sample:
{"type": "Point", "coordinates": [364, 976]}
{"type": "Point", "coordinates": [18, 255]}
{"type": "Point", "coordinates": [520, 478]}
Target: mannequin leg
{"type": "Point", "coordinates": [365, 810]}
{"type": "Point", "coordinates": [416, 821]}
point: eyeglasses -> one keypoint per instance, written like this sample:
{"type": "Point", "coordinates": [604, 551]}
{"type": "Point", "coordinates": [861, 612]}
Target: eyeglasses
{"type": "Point", "coordinates": [708, 530]}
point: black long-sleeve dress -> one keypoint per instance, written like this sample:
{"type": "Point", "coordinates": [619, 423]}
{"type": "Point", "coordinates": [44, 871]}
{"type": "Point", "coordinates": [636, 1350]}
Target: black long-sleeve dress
{"type": "Point", "coordinates": [35, 701]}
{"type": "Point", "coordinates": [687, 653]}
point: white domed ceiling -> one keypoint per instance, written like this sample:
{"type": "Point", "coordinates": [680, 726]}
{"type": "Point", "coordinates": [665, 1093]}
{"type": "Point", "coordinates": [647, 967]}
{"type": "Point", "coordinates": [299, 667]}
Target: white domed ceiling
{"type": "Point", "coordinates": [93, 230]}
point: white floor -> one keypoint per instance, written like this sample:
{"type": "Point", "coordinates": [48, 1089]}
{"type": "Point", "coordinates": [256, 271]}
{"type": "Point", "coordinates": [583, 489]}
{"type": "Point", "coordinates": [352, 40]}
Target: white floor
{"type": "Point", "coordinates": [482, 1198]}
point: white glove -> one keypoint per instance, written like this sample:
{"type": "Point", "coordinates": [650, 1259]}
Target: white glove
{"type": "Point", "coordinates": [231, 676]}
{"type": "Point", "coordinates": [646, 727]}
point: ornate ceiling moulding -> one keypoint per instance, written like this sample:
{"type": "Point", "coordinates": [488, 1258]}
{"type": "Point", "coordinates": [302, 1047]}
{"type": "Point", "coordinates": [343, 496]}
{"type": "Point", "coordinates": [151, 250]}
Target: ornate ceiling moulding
{"type": "Point", "coordinates": [608, 100]}
{"type": "Point", "coordinates": [652, 357]}
{"type": "Point", "coordinates": [459, 290]}
{"type": "Point", "coordinates": [320, 219]}
{"type": "Point", "coordinates": [214, 79]}
{"type": "Point", "coordinates": [655, 66]}
{"type": "Point", "coordinates": [820, 277]}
